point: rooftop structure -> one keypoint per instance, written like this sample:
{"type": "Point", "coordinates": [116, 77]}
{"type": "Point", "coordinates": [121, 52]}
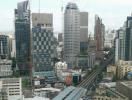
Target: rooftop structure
{"type": "Point", "coordinates": [5, 68]}
{"type": "Point", "coordinates": [13, 86]}
{"type": "Point", "coordinates": [70, 93]}
{"type": "Point", "coordinates": [125, 88]}
{"type": "Point", "coordinates": [106, 93]}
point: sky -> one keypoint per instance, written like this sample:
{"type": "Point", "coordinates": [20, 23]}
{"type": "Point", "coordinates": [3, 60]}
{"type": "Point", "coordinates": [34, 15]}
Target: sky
{"type": "Point", "coordinates": [112, 12]}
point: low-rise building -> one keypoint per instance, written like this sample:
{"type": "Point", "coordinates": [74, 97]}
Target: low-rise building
{"type": "Point", "coordinates": [5, 68]}
{"type": "Point", "coordinates": [111, 71]}
{"type": "Point", "coordinates": [125, 88]}
{"type": "Point", "coordinates": [60, 66]}
{"type": "Point", "coordinates": [46, 92]}
{"type": "Point", "coordinates": [12, 87]}
{"type": "Point", "coordinates": [4, 95]}
{"type": "Point", "coordinates": [123, 68]}
{"type": "Point", "coordinates": [106, 93]}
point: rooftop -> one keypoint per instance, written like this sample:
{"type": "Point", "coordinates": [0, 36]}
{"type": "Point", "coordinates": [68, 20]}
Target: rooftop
{"type": "Point", "coordinates": [127, 83]}
{"type": "Point", "coordinates": [71, 5]}
{"type": "Point", "coordinates": [70, 93]}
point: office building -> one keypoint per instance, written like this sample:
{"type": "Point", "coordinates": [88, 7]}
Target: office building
{"type": "Point", "coordinates": [5, 68]}
{"type": "Point", "coordinates": [43, 51]}
{"type": "Point", "coordinates": [125, 88]}
{"type": "Point", "coordinates": [124, 41]}
{"type": "Point", "coordinates": [91, 45]}
{"type": "Point", "coordinates": [83, 32]}
{"type": "Point", "coordinates": [120, 44]}
{"type": "Point", "coordinates": [82, 62]}
{"type": "Point", "coordinates": [12, 46]}
{"type": "Point", "coordinates": [128, 39]}
{"type": "Point", "coordinates": [22, 36]}
{"type": "Point", "coordinates": [60, 37]}
{"type": "Point", "coordinates": [4, 46]}
{"type": "Point", "coordinates": [99, 35]}
{"type": "Point", "coordinates": [71, 34]}
{"type": "Point", "coordinates": [7, 45]}
{"type": "Point", "coordinates": [109, 38]}
{"type": "Point", "coordinates": [43, 19]}
{"type": "Point", "coordinates": [86, 61]}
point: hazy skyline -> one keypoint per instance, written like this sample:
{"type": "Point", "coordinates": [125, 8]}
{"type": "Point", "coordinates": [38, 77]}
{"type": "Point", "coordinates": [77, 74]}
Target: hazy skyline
{"type": "Point", "coordinates": [112, 12]}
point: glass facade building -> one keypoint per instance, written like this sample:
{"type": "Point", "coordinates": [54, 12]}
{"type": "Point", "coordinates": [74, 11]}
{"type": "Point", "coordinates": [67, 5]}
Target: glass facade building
{"type": "Point", "coordinates": [22, 36]}
{"type": "Point", "coordinates": [124, 41]}
{"type": "Point", "coordinates": [42, 50]}
{"type": "Point", "coordinates": [4, 46]}
{"type": "Point", "coordinates": [71, 34]}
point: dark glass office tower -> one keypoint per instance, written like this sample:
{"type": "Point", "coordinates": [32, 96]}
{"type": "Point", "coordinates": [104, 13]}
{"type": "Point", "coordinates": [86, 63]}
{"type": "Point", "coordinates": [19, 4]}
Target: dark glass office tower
{"type": "Point", "coordinates": [4, 46]}
{"type": "Point", "coordinates": [22, 35]}
{"type": "Point", "coordinates": [128, 39]}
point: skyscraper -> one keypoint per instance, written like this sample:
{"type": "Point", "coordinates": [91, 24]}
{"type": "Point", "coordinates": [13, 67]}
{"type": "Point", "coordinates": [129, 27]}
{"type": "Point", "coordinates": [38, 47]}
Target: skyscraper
{"type": "Point", "coordinates": [124, 41]}
{"type": "Point", "coordinates": [4, 46]}
{"type": "Point", "coordinates": [22, 36]}
{"type": "Point", "coordinates": [42, 51]}
{"type": "Point", "coordinates": [83, 32]}
{"type": "Point", "coordinates": [71, 34]}
{"type": "Point", "coordinates": [43, 44]}
{"type": "Point", "coordinates": [120, 45]}
{"type": "Point", "coordinates": [128, 39]}
{"type": "Point", "coordinates": [60, 37]}
{"type": "Point", "coordinates": [99, 33]}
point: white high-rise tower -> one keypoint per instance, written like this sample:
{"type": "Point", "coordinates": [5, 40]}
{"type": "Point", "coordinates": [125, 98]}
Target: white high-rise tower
{"type": "Point", "coordinates": [71, 34]}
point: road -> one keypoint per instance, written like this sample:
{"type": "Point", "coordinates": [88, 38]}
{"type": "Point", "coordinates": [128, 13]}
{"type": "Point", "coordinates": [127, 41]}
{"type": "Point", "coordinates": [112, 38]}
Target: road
{"type": "Point", "coordinates": [89, 81]}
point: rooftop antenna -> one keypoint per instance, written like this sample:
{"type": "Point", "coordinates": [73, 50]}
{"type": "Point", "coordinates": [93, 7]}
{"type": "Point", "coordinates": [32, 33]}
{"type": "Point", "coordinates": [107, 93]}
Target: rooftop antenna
{"type": "Point", "coordinates": [1, 48]}
{"type": "Point", "coordinates": [62, 8]}
{"type": "Point", "coordinates": [39, 7]}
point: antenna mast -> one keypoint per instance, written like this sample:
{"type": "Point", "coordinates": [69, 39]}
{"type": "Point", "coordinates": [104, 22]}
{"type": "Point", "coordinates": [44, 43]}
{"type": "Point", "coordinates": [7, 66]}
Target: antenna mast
{"type": "Point", "coordinates": [39, 7]}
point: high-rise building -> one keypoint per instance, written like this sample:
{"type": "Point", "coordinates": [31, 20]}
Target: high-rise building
{"type": "Point", "coordinates": [99, 33]}
{"type": "Point", "coordinates": [83, 32]}
{"type": "Point", "coordinates": [109, 38]}
{"type": "Point", "coordinates": [4, 46]}
{"type": "Point", "coordinates": [71, 34]}
{"type": "Point", "coordinates": [12, 46]}
{"type": "Point", "coordinates": [124, 41]}
{"type": "Point", "coordinates": [42, 51]}
{"type": "Point", "coordinates": [43, 19]}
{"type": "Point", "coordinates": [22, 36]}
{"type": "Point", "coordinates": [120, 45]}
{"type": "Point", "coordinates": [128, 39]}
{"type": "Point", "coordinates": [60, 37]}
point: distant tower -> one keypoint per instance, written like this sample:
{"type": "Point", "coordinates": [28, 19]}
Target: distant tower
{"type": "Point", "coordinates": [4, 46]}
{"type": "Point", "coordinates": [1, 48]}
{"type": "Point", "coordinates": [83, 32]}
{"type": "Point", "coordinates": [99, 33]}
{"type": "Point", "coordinates": [71, 34]}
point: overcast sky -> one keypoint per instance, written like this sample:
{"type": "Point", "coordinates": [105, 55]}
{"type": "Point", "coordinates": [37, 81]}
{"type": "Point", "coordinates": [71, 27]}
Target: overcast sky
{"type": "Point", "coordinates": [112, 12]}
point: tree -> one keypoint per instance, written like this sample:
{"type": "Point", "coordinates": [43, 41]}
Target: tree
{"type": "Point", "coordinates": [13, 63]}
